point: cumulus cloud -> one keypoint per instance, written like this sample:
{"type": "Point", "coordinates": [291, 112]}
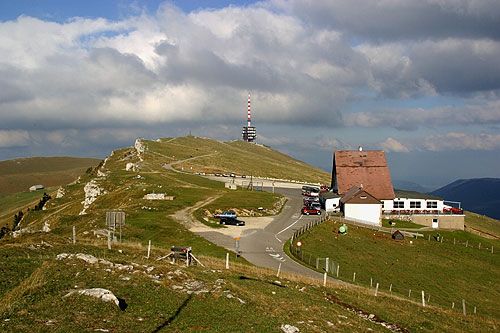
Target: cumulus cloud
{"type": "Point", "coordinates": [173, 67]}
{"type": "Point", "coordinates": [305, 63]}
{"type": "Point", "coordinates": [393, 145]}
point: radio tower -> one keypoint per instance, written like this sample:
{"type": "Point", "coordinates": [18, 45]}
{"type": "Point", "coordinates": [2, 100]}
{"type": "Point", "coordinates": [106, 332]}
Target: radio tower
{"type": "Point", "coordinates": [249, 133]}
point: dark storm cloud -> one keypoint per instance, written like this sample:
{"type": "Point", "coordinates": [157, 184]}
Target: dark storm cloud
{"type": "Point", "coordinates": [458, 66]}
{"type": "Point", "coordinates": [380, 20]}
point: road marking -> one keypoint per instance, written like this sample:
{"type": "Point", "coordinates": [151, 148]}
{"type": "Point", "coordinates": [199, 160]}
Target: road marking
{"type": "Point", "coordinates": [276, 235]}
{"type": "Point", "coordinates": [277, 256]}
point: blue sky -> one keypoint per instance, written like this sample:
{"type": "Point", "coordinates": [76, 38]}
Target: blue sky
{"type": "Point", "coordinates": [420, 80]}
{"type": "Point", "coordinates": [61, 10]}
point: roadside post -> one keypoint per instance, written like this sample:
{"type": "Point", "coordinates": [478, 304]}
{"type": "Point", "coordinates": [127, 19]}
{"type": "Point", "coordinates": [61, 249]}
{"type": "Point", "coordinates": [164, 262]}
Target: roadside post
{"type": "Point", "coordinates": [237, 245]}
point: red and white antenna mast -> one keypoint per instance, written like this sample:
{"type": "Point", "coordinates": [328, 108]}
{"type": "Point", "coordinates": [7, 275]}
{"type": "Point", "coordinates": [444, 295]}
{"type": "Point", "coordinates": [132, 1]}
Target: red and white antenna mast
{"type": "Point", "coordinates": [249, 117]}
{"type": "Point", "coordinates": [248, 132]}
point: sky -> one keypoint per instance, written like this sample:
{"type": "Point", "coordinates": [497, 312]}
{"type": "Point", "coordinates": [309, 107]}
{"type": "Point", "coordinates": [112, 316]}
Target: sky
{"type": "Point", "coordinates": [418, 79]}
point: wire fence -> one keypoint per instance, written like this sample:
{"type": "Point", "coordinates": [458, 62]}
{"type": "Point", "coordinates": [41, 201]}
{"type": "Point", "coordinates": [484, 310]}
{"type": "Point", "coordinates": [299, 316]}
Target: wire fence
{"type": "Point", "coordinates": [345, 273]}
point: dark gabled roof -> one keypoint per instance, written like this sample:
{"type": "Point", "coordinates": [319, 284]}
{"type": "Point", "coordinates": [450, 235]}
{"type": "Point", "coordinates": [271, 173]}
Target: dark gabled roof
{"type": "Point", "coordinates": [363, 168]}
{"type": "Point", "coordinates": [329, 195]}
{"type": "Point", "coordinates": [357, 195]}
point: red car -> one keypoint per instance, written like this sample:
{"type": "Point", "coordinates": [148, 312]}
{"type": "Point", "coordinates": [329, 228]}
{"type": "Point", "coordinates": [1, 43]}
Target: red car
{"type": "Point", "coordinates": [310, 210]}
{"type": "Point", "coordinates": [453, 210]}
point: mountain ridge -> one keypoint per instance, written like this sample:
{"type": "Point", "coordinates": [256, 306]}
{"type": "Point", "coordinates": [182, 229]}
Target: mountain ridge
{"type": "Point", "coordinates": [480, 195]}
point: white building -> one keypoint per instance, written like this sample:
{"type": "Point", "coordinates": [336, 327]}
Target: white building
{"type": "Point", "coordinates": [360, 206]}
{"type": "Point", "coordinates": [330, 201]}
{"type": "Point", "coordinates": [36, 188]}
{"type": "Point", "coordinates": [412, 206]}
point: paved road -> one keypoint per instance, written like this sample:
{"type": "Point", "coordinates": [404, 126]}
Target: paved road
{"type": "Point", "coordinates": [264, 247]}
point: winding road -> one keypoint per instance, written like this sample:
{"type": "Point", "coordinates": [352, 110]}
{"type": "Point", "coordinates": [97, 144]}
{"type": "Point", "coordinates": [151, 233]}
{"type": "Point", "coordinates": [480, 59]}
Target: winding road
{"type": "Point", "coordinates": [263, 245]}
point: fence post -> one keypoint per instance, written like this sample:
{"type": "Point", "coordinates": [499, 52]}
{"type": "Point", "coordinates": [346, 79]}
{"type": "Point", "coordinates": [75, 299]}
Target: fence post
{"type": "Point", "coordinates": [317, 263]}
{"type": "Point", "coordinates": [109, 239]}
{"type": "Point", "coordinates": [371, 282]}
{"type": "Point", "coordinates": [463, 308]}
{"type": "Point", "coordinates": [327, 264]}
{"type": "Point", "coordinates": [74, 235]}
{"type": "Point", "coordinates": [423, 298]}
{"type": "Point", "coordinates": [227, 260]}
{"type": "Point", "coordinates": [376, 289]}
{"type": "Point", "coordinates": [409, 293]}
{"type": "Point", "coordinates": [492, 249]}
{"type": "Point", "coordinates": [338, 269]}
{"type": "Point", "coordinates": [354, 277]}
{"type": "Point", "coordinates": [452, 305]}
{"type": "Point", "coordinates": [149, 248]}
{"type": "Point", "coordinates": [390, 288]}
{"type": "Point", "coordinates": [474, 310]}
{"type": "Point", "coordinates": [279, 269]}
{"type": "Point", "coordinates": [324, 279]}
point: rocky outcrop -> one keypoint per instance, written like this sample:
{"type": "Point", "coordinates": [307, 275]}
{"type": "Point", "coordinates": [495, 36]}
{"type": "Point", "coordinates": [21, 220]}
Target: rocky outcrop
{"type": "Point", "coordinates": [103, 294]}
{"type": "Point", "coordinates": [92, 191]}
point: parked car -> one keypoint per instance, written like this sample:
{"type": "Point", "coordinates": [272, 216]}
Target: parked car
{"type": "Point", "coordinates": [307, 210]}
{"type": "Point", "coordinates": [226, 214]}
{"type": "Point", "coordinates": [308, 200]}
{"type": "Point", "coordinates": [453, 210]}
{"type": "Point", "coordinates": [231, 221]}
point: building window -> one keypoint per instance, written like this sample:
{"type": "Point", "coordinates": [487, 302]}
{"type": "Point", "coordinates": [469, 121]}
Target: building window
{"type": "Point", "coordinates": [399, 204]}
{"type": "Point", "coordinates": [432, 204]}
{"type": "Point", "coordinates": [415, 204]}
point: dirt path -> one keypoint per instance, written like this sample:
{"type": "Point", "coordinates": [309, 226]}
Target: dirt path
{"type": "Point", "coordinates": [169, 166]}
{"type": "Point", "coordinates": [480, 232]}
{"type": "Point", "coordinates": [185, 216]}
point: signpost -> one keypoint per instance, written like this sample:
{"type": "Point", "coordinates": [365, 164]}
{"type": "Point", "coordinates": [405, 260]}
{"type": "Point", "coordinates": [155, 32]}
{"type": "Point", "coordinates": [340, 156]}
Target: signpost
{"type": "Point", "coordinates": [115, 219]}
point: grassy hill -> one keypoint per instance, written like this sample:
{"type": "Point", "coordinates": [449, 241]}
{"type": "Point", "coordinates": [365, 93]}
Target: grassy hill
{"type": "Point", "coordinates": [19, 174]}
{"type": "Point", "coordinates": [172, 298]}
{"type": "Point", "coordinates": [447, 271]}
{"type": "Point", "coordinates": [238, 157]}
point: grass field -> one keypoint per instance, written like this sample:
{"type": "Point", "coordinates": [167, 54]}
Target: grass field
{"type": "Point", "coordinates": [11, 204]}
{"type": "Point", "coordinates": [166, 297]}
{"type": "Point", "coordinates": [400, 224]}
{"type": "Point", "coordinates": [446, 271]}
{"type": "Point", "coordinates": [178, 299]}
{"type": "Point", "coordinates": [237, 157]}
{"type": "Point", "coordinates": [482, 223]}
{"type": "Point", "coordinates": [19, 174]}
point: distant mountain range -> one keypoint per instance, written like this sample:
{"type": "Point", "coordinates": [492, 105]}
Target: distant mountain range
{"type": "Point", "coordinates": [479, 195]}
{"type": "Point", "coordinates": [405, 185]}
